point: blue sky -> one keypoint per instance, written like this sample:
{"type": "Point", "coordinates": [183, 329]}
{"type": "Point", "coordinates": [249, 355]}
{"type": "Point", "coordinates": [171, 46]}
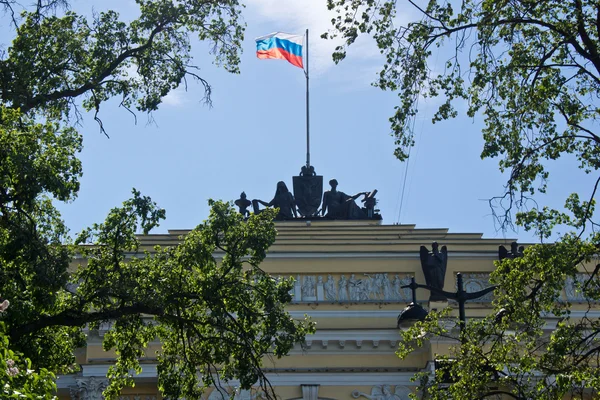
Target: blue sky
{"type": "Point", "coordinates": [254, 136]}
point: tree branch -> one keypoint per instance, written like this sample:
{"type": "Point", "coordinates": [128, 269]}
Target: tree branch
{"type": "Point", "coordinates": [36, 101]}
{"type": "Point", "coordinates": [76, 318]}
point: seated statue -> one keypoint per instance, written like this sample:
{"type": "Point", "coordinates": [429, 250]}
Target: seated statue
{"type": "Point", "coordinates": [243, 203]}
{"type": "Point", "coordinates": [283, 200]}
{"type": "Point", "coordinates": [339, 205]}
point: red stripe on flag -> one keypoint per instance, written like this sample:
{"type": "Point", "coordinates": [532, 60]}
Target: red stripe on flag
{"type": "Point", "coordinates": [276, 53]}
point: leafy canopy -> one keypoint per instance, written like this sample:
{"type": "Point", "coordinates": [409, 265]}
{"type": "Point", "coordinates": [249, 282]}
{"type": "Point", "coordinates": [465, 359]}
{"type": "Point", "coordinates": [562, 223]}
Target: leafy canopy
{"type": "Point", "coordinates": [532, 70]}
{"type": "Point", "coordinates": [53, 59]}
{"type": "Point", "coordinates": [216, 313]}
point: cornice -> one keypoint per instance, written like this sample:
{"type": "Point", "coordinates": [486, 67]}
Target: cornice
{"type": "Point", "coordinates": [323, 378]}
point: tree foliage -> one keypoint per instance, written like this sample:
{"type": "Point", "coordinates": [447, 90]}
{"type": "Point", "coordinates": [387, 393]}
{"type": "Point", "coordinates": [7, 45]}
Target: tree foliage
{"type": "Point", "coordinates": [516, 351]}
{"type": "Point", "coordinates": [532, 70]}
{"type": "Point", "coordinates": [216, 313]}
{"type": "Point", "coordinates": [18, 379]}
{"type": "Point", "coordinates": [53, 59]}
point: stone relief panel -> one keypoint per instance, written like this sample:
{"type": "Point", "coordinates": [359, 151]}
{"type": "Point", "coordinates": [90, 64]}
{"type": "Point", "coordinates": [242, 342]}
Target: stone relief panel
{"type": "Point", "coordinates": [379, 287]}
{"type": "Point", "coordinates": [384, 392]}
{"type": "Point", "coordinates": [224, 393]}
{"type": "Point", "coordinates": [474, 282]}
{"type": "Point", "coordinates": [138, 397]}
{"type": "Point", "coordinates": [309, 288]}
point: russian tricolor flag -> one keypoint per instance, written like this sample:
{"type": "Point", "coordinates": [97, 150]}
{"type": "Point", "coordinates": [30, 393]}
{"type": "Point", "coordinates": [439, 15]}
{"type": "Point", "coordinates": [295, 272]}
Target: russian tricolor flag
{"type": "Point", "coordinates": [281, 45]}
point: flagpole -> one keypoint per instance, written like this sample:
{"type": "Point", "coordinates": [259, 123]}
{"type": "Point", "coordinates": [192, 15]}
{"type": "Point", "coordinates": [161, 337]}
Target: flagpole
{"type": "Point", "coordinates": [307, 109]}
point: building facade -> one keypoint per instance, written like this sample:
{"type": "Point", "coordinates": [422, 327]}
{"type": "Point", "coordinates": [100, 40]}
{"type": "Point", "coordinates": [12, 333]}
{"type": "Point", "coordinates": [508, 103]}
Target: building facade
{"type": "Point", "coordinates": [348, 278]}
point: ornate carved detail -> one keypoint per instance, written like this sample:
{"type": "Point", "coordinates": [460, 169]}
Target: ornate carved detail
{"type": "Point", "coordinates": [342, 343]}
{"type": "Point", "coordinates": [329, 287]}
{"type": "Point", "coordinates": [89, 388]}
{"type": "Point", "coordinates": [375, 343]}
{"type": "Point", "coordinates": [343, 289]}
{"type": "Point", "coordinates": [399, 293]}
{"type": "Point", "coordinates": [224, 393]}
{"type": "Point", "coordinates": [355, 290]}
{"type": "Point", "coordinates": [378, 287]}
{"type": "Point", "coordinates": [339, 205]}
{"type": "Point", "coordinates": [309, 344]}
{"type": "Point", "coordinates": [325, 343]}
{"type": "Point", "coordinates": [309, 288]}
{"type": "Point", "coordinates": [384, 392]}
{"type": "Point", "coordinates": [478, 281]}
{"type": "Point", "coordinates": [393, 343]}
{"type": "Point", "coordinates": [308, 191]}
{"type": "Point", "coordinates": [138, 397]}
{"type": "Point", "coordinates": [359, 343]}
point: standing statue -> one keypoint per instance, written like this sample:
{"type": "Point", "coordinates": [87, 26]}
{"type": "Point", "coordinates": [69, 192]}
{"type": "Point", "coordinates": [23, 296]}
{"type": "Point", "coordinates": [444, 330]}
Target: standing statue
{"type": "Point", "coordinates": [308, 288]}
{"type": "Point", "coordinates": [343, 289]}
{"type": "Point", "coordinates": [283, 200]}
{"type": "Point", "coordinates": [397, 288]}
{"type": "Point", "coordinates": [368, 287]}
{"type": "Point", "coordinates": [515, 251]}
{"type": "Point", "coordinates": [329, 287]}
{"type": "Point", "coordinates": [354, 287]}
{"type": "Point", "coordinates": [379, 286]}
{"type": "Point", "coordinates": [243, 203]}
{"type": "Point", "coordinates": [434, 269]}
{"type": "Point", "coordinates": [339, 205]}
{"type": "Point", "coordinates": [387, 288]}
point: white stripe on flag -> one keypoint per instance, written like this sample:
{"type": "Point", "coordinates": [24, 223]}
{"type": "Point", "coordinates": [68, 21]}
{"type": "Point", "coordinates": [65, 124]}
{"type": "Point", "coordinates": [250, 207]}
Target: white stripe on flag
{"type": "Point", "coordinates": [298, 39]}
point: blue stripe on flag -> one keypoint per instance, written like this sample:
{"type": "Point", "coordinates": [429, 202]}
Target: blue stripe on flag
{"type": "Point", "coordinates": [274, 42]}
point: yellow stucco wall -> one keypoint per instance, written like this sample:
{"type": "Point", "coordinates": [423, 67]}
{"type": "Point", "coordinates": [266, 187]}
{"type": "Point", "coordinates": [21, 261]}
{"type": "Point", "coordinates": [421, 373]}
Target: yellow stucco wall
{"type": "Point", "coordinates": [354, 338]}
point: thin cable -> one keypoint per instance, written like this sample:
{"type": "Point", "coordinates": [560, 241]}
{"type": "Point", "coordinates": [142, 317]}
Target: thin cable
{"type": "Point", "coordinates": [437, 54]}
{"type": "Point", "coordinates": [406, 169]}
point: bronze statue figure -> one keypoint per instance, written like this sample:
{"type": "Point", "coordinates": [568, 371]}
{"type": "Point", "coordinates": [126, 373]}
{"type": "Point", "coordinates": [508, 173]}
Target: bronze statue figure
{"type": "Point", "coordinates": [434, 268]}
{"type": "Point", "coordinates": [370, 201]}
{"type": "Point", "coordinates": [339, 205]}
{"type": "Point", "coordinates": [243, 203]}
{"type": "Point", "coordinates": [283, 200]}
{"type": "Point", "coordinates": [515, 251]}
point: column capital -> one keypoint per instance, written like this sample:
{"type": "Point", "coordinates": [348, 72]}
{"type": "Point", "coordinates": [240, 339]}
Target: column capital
{"type": "Point", "coordinates": [89, 388]}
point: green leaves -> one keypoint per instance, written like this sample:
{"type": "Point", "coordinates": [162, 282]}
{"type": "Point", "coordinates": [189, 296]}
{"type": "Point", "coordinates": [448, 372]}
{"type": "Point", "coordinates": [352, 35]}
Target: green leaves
{"type": "Point", "coordinates": [208, 303]}
{"type": "Point", "coordinates": [234, 312]}
{"type": "Point", "coordinates": [54, 59]}
{"type": "Point", "coordinates": [207, 300]}
{"type": "Point", "coordinates": [18, 378]}
{"type": "Point", "coordinates": [214, 311]}
{"type": "Point", "coordinates": [513, 351]}
{"type": "Point", "coordinates": [530, 68]}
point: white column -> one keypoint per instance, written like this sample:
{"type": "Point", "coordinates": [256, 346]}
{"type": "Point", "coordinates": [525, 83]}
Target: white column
{"type": "Point", "coordinates": [310, 392]}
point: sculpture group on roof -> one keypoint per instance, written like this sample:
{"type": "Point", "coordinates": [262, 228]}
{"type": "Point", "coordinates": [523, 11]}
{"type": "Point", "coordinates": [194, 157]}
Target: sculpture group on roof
{"type": "Point", "coordinates": [306, 200]}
